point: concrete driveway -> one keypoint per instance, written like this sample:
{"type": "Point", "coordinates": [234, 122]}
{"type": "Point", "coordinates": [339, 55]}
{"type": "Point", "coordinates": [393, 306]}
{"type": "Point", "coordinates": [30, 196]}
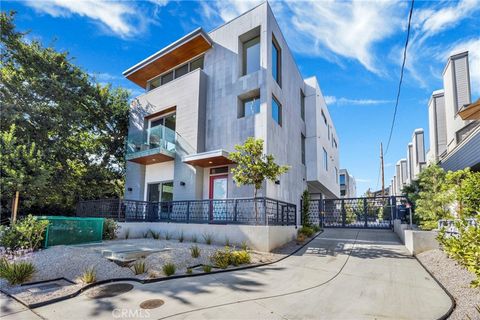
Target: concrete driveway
{"type": "Point", "coordinates": [342, 274]}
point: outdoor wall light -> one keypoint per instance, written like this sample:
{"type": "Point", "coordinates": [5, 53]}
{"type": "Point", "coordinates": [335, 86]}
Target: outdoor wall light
{"type": "Point", "coordinates": [277, 182]}
{"type": "Point", "coordinates": [182, 183]}
{"type": "Point", "coordinates": [129, 189]}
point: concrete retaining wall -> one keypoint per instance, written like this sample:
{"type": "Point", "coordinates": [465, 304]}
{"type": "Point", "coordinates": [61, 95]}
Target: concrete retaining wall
{"type": "Point", "coordinates": [416, 241]}
{"type": "Point", "coordinates": [261, 238]}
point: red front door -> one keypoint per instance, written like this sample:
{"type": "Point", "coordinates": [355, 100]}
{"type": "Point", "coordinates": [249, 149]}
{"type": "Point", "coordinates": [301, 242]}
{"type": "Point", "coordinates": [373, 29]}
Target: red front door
{"type": "Point", "coordinates": [218, 193]}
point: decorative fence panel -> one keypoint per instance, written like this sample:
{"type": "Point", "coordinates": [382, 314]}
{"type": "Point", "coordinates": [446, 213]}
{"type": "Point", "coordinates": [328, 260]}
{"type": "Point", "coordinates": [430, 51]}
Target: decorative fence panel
{"type": "Point", "coordinates": [250, 211]}
{"type": "Point", "coordinates": [366, 212]}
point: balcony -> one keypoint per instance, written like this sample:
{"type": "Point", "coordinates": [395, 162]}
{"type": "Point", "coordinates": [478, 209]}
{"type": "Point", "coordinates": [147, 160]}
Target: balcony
{"type": "Point", "coordinates": [154, 145]}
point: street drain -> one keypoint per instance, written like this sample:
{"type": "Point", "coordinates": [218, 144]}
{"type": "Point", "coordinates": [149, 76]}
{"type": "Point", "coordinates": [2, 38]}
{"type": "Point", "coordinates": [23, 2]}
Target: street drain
{"type": "Point", "coordinates": [110, 290]}
{"type": "Point", "coordinates": [151, 304]}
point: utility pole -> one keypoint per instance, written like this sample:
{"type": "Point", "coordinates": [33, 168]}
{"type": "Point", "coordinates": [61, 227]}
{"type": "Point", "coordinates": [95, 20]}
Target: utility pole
{"type": "Point", "coordinates": [383, 173]}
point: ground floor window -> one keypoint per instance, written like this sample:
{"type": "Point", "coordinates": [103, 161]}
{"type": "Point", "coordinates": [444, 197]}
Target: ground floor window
{"type": "Point", "coordinates": [160, 191]}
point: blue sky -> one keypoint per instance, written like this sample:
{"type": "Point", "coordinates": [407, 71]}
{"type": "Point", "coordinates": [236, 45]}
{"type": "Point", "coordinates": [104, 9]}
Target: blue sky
{"type": "Point", "coordinates": [353, 48]}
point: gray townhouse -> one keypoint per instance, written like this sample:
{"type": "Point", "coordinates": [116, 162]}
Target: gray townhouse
{"type": "Point", "coordinates": [454, 130]}
{"type": "Point", "coordinates": [209, 91]}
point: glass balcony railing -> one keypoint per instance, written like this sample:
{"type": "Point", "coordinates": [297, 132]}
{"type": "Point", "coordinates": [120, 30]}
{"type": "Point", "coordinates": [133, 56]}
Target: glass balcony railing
{"type": "Point", "coordinates": [157, 140]}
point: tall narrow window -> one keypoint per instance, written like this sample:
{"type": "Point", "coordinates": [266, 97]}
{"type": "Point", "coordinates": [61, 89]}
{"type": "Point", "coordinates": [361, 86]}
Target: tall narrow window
{"type": "Point", "coordinates": [302, 104]}
{"type": "Point", "coordinates": [276, 61]}
{"type": "Point", "coordinates": [336, 174]}
{"type": "Point", "coordinates": [251, 55]}
{"type": "Point", "coordinates": [276, 111]}
{"type": "Point", "coordinates": [325, 159]}
{"type": "Point", "coordinates": [303, 149]}
{"type": "Point", "coordinates": [324, 118]}
{"type": "Point", "coordinates": [249, 107]}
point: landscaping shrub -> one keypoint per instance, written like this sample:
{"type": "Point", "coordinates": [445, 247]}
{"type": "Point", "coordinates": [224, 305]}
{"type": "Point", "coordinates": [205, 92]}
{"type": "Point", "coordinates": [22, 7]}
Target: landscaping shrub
{"type": "Point", "coordinates": [224, 258]}
{"type": "Point", "coordinates": [139, 267]}
{"type": "Point", "coordinates": [25, 233]}
{"type": "Point", "coordinates": [168, 235]}
{"type": "Point", "coordinates": [208, 238]}
{"type": "Point", "coordinates": [16, 272]}
{"type": "Point", "coordinates": [89, 275]}
{"type": "Point", "coordinates": [244, 245]}
{"type": "Point", "coordinates": [240, 257]}
{"type": "Point", "coordinates": [227, 242]}
{"type": "Point", "coordinates": [195, 251]}
{"type": "Point", "coordinates": [207, 268]}
{"type": "Point", "coordinates": [127, 234]}
{"type": "Point", "coordinates": [464, 248]}
{"type": "Point", "coordinates": [189, 271]}
{"type": "Point", "coordinates": [155, 235]}
{"type": "Point", "coordinates": [306, 231]}
{"type": "Point", "coordinates": [194, 238]}
{"type": "Point", "coordinates": [300, 238]}
{"type": "Point", "coordinates": [181, 237]}
{"type": "Point", "coordinates": [168, 269]}
{"type": "Point", "coordinates": [315, 228]}
{"type": "Point", "coordinates": [110, 228]}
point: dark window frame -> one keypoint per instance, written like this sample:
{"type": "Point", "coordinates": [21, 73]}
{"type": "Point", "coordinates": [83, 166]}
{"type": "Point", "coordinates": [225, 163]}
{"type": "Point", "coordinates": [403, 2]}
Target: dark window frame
{"type": "Point", "coordinates": [248, 44]}
{"type": "Point", "coordinates": [276, 46]}
{"type": "Point", "coordinates": [279, 105]}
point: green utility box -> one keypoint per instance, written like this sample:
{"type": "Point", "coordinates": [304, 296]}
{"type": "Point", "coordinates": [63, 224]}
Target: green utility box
{"type": "Point", "coordinates": [72, 230]}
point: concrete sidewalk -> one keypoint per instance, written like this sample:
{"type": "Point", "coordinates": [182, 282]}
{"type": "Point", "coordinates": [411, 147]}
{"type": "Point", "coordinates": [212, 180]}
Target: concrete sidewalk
{"type": "Point", "coordinates": [342, 274]}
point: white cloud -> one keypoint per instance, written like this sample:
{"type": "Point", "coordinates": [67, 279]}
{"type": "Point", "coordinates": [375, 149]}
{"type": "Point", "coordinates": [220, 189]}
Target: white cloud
{"type": "Point", "coordinates": [120, 18]}
{"type": "Point", "coordinates": [329, 28]}
{"type": "Point", "coordinates": [332, 100]}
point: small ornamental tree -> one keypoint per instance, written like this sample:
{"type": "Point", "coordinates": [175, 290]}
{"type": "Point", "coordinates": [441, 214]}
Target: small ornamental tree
{"type": "Point", "coordinates": [306, 208]}
{"type": "Point", "coordinates": [254, 167]}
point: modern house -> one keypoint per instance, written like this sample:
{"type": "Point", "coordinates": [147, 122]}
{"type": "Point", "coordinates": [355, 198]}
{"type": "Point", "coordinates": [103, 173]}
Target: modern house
{"type": "Point", "coordinates": [206, 93]}
{"type": "Point", "coordinates": [348, 185]}
{"type": "Point", "coordinates": [454, 128]}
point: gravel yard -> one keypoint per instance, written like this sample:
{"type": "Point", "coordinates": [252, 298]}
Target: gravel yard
{"type": "Point", "coordinates": [70, 262]}
{"type": "Point", "coordinates": [456, 280]}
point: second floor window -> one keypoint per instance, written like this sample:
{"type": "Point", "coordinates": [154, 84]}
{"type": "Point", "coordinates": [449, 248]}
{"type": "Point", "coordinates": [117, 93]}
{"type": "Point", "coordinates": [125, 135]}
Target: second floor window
{"type": "Point", "coordinates": [276, 111]}
{"type": "Point", "coordinates": [251, 56]}
{"type": "Point", "coordinates": [276, 61]}
{"type": "Point", "coordinates": [325, 159]}
{"type": "Point", "coordinates": [342, 179]}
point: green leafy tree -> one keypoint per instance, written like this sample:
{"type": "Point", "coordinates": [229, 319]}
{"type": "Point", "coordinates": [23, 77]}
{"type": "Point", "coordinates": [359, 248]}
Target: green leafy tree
{"type": "Point", "coordinates": [464, 187]}
{"type": "Point", "coordinates": [306, 208]}
{"type": "Point", "coordinates": [78, 125]}
{"type": "Point", "coordinates": [254, 167]}
{"type": "Point", "coordinates": [22, 169]}
{"type": "Point", "coordinates": [433, 202]}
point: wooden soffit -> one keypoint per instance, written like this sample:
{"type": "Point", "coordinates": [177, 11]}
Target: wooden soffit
{"type": "Point", "coordinates": [182, 50]}
{"type": "Point", "coordinates": [471, 112]}
{"type": "Point", "coordinates": [208, 159]}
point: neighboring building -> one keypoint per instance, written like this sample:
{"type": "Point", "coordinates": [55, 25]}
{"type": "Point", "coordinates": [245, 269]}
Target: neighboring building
{"type": "Point", "coordinates": [348, 185]}
{"type": "Point", "coordinates": [416, 158]}
{"type": "Point", "coordinates": [454, 141]}
{"type": "Point", "coordinates": [380, 193]}
{"type": "Point", "coordinates": [207, 92]}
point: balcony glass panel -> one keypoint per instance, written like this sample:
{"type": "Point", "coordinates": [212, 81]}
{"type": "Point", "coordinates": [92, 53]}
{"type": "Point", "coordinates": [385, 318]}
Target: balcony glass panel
{"type": "Point", "coordinates": [158, 139]}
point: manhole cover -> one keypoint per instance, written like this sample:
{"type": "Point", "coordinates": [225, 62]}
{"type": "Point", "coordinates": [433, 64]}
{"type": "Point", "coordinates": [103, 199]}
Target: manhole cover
{"type": "Point", "coordinates": [110, 290]}
{"type": "Point", "coordinates": [151, 304]}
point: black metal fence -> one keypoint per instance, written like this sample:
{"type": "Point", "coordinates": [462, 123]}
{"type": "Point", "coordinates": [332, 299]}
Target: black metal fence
{"type": "Point", "coordinates": [250, 211]}
{"type": "Point", "coordinates": [365, 212]}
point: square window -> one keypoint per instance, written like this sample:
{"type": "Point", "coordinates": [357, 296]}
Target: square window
{"type": "Point", "coordinates": [276, 111]}
{"type": "Point", "coordinates": [166, 78]}
{"type": "Point", "coordinates": [249, 107]}
{"type": "Point", "coordinates": [251, 56]}
{"type": "Point", "coordinates": [180, 71]}
{"type": "Point", "coordinates": [196, 64]}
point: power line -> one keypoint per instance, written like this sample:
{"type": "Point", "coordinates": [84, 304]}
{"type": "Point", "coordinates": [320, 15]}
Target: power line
{"type": "Point", "coordinates": [401, 76]}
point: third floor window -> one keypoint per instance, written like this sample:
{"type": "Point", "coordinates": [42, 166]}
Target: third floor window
{"type": "Point", "coordinates": [276, 61]}
{"type": "Point", "coordinates": [175, 73]}
{"type": "Point", "coordinates": [251, 56]}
